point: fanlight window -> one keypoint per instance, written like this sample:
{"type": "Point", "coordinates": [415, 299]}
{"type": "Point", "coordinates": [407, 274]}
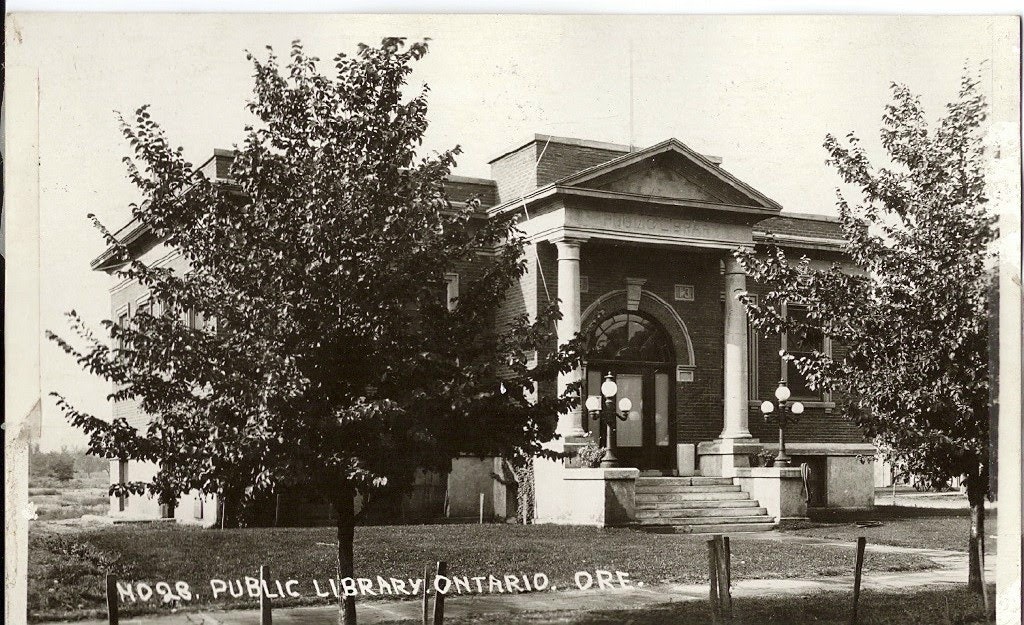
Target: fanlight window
{"type": "Point", "coordinates": [632, 337]}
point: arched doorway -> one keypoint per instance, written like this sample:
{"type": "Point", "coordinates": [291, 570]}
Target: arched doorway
{"type": "Point", "coordinates": [638, 352]}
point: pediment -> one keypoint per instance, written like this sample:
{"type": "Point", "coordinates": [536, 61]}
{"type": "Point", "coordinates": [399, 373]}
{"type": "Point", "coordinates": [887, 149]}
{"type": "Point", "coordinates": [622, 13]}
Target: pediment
{"type": "Point", "coordinates": [659, 179]}
{"type": "Point", "coordinates": [673, 171]}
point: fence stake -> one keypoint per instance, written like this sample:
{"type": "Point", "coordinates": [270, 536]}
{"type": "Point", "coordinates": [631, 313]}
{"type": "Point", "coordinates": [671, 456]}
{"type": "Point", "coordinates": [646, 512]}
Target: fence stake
{"type": "Point", "coordinates": [442, 569]}
{"type": "Point", "coordinates": [426, 599]}
{"type": "Point", "coordinates": [481, 508]}
{"type": "Point", "coordinates": [111, 599]}
{"type": "Point", "coordinates": [861, 544]}
{"type": "Point", "coordinates": [724, 576]}
{"type": "Point", "coordinates": [265, 618]}
{"type": "Point", "coordinates": [713, 579]}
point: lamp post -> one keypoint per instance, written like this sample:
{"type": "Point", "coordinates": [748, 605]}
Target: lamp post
{"type": "Point", "coordinates": [603, 407]}
{"type": "Point", "coordinates": [787, 413]}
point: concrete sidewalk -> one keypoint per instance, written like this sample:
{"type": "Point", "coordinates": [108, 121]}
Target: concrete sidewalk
{"type": "Point", "coordinates": [906, 498]}
{"type": "Point", "coordinates": [951, 570]}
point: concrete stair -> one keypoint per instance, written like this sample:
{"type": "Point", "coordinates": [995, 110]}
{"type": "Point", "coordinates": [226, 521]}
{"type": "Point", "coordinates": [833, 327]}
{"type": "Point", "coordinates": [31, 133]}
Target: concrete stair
{"type": "Point", "coordinates": [697, 505]}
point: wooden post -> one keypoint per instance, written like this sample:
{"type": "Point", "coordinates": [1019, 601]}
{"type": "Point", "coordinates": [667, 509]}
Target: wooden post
{"type": "Point", "coordinates": [984, 585]}
{"type": "Point", "coordinates": [481, 508]}
{"type": "Point", "coordinates": [713, 579]}
{"type": "Point", "coordinates": [724, 576]}
{"type": "Point", "coordinates": [861, 544]}
{"type": "Point", "coordinates": [111, 599]}
{"type": "Point", "coordinates": [442, 569]}
{"type": "Point", "coordinates": [426, 595]}
{"type": "Point", "coordinates": [265, 618]}
{"type": "Point", "coordinates": [277, 508]}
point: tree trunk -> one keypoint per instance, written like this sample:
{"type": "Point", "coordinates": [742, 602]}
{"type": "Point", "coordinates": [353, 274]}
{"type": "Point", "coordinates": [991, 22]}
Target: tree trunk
{"type": "Point", "coordinates": [976, 492]}
{"type": "Point", "coordinates": [344, 507]}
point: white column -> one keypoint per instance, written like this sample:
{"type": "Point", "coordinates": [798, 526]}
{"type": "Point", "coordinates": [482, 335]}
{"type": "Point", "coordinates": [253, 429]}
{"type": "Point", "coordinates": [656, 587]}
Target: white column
{"type": "Point", "coordinates": [735, 367]}
{"type": "Point", "coordinates": [569, 296]}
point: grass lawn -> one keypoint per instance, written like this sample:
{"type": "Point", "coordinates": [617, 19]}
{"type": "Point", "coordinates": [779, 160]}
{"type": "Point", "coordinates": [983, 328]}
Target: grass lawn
{"type": "Point", "coordinates": [926, 528]}
{"type": "Point", "coordinates": [65, 570]}
{"type": "Point", "coordinates": [86, 494]}
{"type": "Point", "coordinates": [935, 607]}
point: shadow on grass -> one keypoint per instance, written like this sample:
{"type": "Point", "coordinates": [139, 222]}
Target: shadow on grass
{"type": "Point", "coordinates": [936, 607]}
{"type": "Point", "coordinates": [885, 513]}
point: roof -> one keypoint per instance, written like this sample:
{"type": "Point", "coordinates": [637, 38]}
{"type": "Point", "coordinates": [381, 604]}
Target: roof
{"type": "Point", "coordinates": [745, 199]}
{"type": "Point", "coordinates": [791, 229]}
{"type": "Point", "coordinates": [802, 230]}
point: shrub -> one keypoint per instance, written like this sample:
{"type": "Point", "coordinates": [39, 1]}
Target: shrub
{"type": "Point", "coordinates": [62, 468]}
{"type": "Point", "coordinates": [590, 456]}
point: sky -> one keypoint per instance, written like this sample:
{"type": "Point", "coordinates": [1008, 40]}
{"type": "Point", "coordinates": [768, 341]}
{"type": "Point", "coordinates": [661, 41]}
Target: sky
{"type": "Point", "coordinates": [759, 92]}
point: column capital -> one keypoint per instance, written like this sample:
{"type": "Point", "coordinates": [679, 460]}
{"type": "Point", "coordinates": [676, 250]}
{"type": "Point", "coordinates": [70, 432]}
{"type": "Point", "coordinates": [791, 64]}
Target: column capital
{"type": "Point", "coordinates": [568, 247]}
{"type": "Point", "coordinates": [732, 265]}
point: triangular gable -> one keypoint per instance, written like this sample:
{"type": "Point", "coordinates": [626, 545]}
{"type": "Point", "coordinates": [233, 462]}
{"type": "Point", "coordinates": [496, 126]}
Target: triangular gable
{"type": "Point", "coordinates": [671, 170]}
{"type": "Point", "coordinates": [656, 177]}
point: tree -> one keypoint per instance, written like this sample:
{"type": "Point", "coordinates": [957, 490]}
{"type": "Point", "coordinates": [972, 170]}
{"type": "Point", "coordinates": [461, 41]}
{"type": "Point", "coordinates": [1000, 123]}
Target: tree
{"type": "Point", "coordinates": [328, 357]}
{"type": "Point", "coordinates": [914, 315]}
{"type": "Point", "coordinates": [62, 467]}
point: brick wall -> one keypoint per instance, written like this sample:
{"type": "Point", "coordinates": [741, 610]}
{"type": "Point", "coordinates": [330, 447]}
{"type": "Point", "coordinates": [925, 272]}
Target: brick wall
{"type": "Point", "coordinates": [698, 403]}
{"type": "Point", "coordinates": [561, 160]}
{"type": "Point", "coordinates": [514, 173]}
{"type": "Point", "coordinates": [519, 172]}
{"type": "Point", "coordinates": [818, 423]}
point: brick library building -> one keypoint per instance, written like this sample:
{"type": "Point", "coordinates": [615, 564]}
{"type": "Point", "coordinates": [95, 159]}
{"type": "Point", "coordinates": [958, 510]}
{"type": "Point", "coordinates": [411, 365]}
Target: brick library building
{"type": "Point", "coordinates": [637, 245]}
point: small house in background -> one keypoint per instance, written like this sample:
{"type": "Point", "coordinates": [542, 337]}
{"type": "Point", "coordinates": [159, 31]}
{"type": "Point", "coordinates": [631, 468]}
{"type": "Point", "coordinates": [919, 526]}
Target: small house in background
{"type": "Point", "coordinates": [636, 244]}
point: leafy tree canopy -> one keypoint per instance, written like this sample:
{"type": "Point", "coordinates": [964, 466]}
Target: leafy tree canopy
{"type": "Point", "coordinates": [326, 352]}
{"type": "Point", "coordinates": [913, 312]}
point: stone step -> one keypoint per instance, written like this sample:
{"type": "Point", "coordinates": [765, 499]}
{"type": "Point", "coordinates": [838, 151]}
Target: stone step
{"type": "Point", "coordinates": [692, 496]}
{"type": "Point", "coordinates": [643, 504]}
{"type": "Point", "coordinates": [711, 520]}
{"type": "Point", "coordinates": [700, 512]}
{"type": "Point", "coordinates": [668, 488]}
{"type": "Point", "coordinates": [731, 528]}
{"type": "Point", "coordinates": [695, 480]}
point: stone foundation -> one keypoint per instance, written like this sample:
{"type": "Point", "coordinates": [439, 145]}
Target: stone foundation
{"type": "Point", "coordinates": [601, 497]}
{"type": "Point", "coordinates": [723, 457]}
{"type": "Point", "coordinates": [779, 490]}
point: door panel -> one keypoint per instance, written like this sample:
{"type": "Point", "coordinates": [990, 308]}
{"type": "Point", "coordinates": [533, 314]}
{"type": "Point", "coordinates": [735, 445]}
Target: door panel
{"type": "Point", "coordinates": [630, 432]}
{"type": "Point", "coordinates": [645, 439]}
{"type": "Point", "coordinates": [661, 416]}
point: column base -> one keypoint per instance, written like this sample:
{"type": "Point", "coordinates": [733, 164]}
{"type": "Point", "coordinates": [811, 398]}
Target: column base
{"type": "Point", "coordinates": [722, 456]}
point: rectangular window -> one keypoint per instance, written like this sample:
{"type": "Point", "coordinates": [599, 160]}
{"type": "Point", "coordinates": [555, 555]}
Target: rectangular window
{"type": "Point", "coordinates": [122, 478]}
{"type": "Point", "coordinates": [451, 281]}
{"type": "Point", "coordinates": [167, 511]}
{"type": "Point", "coordinates": [799, 346]}
{"type": "Point", "coordinates": [661, 396]}
{"type": "Point", "coordinates": [188, 317]}
{"type": "Point", "coordinates": [122, 322]}
{"type": "Point", "coordinates": [593, 388]}
{"type": "Point", "coordinates": [197, 510]}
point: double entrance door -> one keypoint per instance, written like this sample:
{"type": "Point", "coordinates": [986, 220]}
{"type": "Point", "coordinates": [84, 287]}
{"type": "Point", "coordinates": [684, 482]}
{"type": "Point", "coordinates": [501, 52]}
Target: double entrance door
{"type": "Point", "coordinates": [645, 439]}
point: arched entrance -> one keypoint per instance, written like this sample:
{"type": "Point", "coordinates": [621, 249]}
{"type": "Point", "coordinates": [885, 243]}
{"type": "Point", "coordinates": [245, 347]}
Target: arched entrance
{"type": "Point", "coordinates": [638, 352]}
